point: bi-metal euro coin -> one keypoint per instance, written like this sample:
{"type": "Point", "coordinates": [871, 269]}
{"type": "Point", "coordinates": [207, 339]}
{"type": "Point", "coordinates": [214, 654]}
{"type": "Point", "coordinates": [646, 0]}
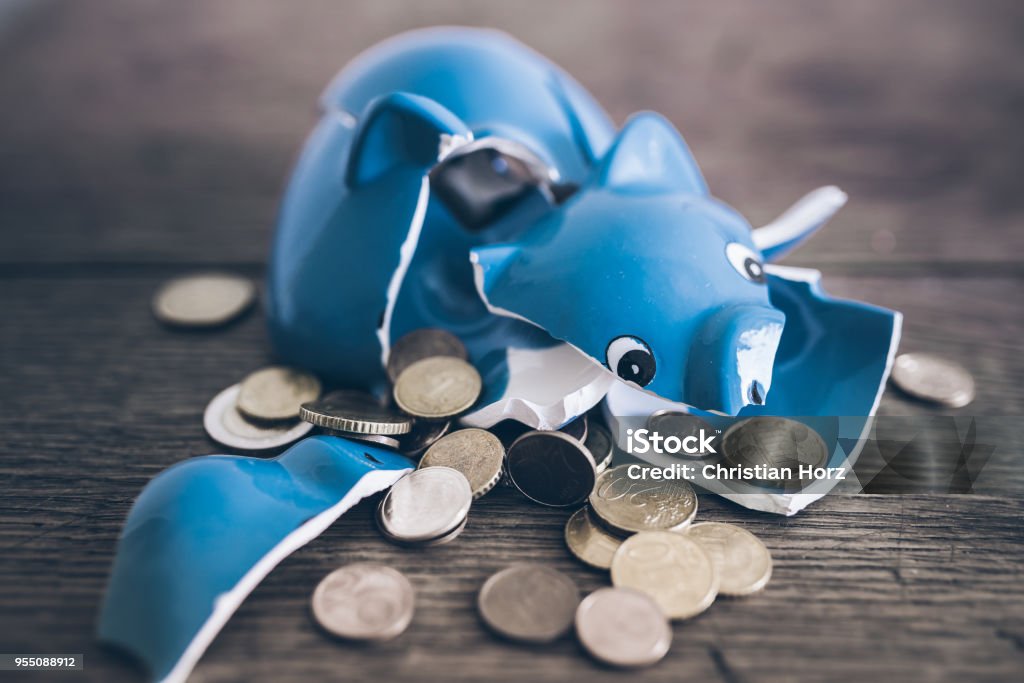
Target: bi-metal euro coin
{"type": "Point", "coordinates": [206, 300]}
{"type": "Point", "coordinates": [774, 443]}
{"type": "Point", "coordinates": [437, 388]}
{"type": "Point", "coordinates": [228, 427]}
{"type": "Point", "coordinates": [276, 393]}
{"type": "Point", "coordinates": [476, 453]}
{"type": "Point", "coordinates": [627, 505]}
{"type": "Point", "coordinates": [425, 506]}
{"type": "Point", "coordinates": [623, 627]}
{"type": "Point", "coordinates": [742, 561]}
{"type": "Point", "coordinates": [669, 567]}
{"type": "Point", "coordinates": [364, 601]}
{"type": "Point", "coordinates": [529, 603]}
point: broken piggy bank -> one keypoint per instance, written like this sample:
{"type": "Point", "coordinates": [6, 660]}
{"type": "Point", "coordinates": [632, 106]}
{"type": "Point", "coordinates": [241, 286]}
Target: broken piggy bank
{"type": "Point", "coordinates": [459, 180]}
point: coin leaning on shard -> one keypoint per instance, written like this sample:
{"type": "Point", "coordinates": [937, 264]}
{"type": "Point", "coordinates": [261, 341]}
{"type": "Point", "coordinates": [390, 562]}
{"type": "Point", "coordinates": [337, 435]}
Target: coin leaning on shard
{"type": "Point", "coordinates": [476, 453]}
{"type": "Point", "coordinates": [437, 388]}
{"type": "Point", "coordinates": [363, 601]}
{"type": "Point", "coordinates": [420, 344]}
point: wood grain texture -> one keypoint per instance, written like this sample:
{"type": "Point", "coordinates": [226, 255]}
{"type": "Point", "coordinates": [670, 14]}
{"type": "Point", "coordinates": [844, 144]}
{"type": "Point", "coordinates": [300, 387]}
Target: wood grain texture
{"type": "Point", "coordinates": [129, 120]}
{"type": "Point", "coordinates": [141, 140]}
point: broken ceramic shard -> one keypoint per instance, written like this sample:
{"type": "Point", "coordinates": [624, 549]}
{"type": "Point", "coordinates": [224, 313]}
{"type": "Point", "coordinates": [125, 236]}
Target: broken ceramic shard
{"type": "Point", "coordinates": [204, 533]}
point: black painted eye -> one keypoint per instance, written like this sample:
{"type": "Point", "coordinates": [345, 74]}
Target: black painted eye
{"type": "Point", "coordinates": [631, 359]}
{"type": "Point", "coordinates": [746, 262]}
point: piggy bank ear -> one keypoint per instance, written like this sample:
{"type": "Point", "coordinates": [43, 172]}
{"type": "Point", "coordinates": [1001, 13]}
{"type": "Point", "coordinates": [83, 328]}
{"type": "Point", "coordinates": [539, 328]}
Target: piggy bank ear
{"type": "Point", "coordinates": [399, 128]}
{"type": "Point", "coordinates": [650, 156]}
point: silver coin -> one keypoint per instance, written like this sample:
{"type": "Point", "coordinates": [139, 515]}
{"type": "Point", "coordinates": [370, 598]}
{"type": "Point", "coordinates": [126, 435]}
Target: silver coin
{"type": "Point", "coordinates": [376, 439]}
{"type": "Point", "coordinates": [627, 505]}
{"type": "Point", "coordinates": [424, 434]}
{"type": "Point", "coordinates": [364, 601]}
{"type": "Point", "coordinates": [669, 567]}
{"type": "Point", "coordinates": [742, 561]}
{"type": "Point", "coordinates": [228, 427]}
{"type": "Point", "coordinates": [551, 468]}
{"type": "Point", "coordinates": [276, 393]}
{"type": "Point", "coordinates": [599, 443]}
{"type": "Point", "coordinates": [933, 378]}
{"type": "Point", "coordinates": [353, 411]}
{"type": "Point", "coordinates": [529, 603]}
{"type": "Point", "coordinates": [673, 423]}
{"type": "Point", "coordinates": [774, 442]}
{"type": "Point", "coordinates": [588, 541]}
{"type": "Point", "coordinates": [419, 344]}
{"type": "Point", "coordinates": [476, 453]}
{"type": "Point", "coordinates": [425, 505]}
{"type": "Point", "coordinates": [577, 429]}
{"type": "Point", "coordinates": [205, 300]}
{"type": "Point", "coordinates": [623, 627]}
{"type": "Point", "coordinates": [437, 388]}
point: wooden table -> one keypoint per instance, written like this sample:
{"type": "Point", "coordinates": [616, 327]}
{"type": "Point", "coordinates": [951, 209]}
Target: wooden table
{"type": "Point", "coordinates": [141, 140]}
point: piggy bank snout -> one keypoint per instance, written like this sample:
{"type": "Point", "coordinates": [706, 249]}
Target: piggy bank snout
{"type": "Point", "coordinates": [731, 359]}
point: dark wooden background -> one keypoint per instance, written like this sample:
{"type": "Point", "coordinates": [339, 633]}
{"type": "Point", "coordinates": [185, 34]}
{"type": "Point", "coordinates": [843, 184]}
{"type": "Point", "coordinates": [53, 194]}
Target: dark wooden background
{"type": "Point", "coordinates": [144, 139]}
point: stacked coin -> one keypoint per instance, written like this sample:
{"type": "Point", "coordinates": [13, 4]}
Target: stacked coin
{"type": "Point", "coordinates": [426, 507]}
{"type": "Point", "coordinates": [262, 412]}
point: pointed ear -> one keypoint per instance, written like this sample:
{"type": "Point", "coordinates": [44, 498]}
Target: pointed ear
{"type": "Point", "coordinates": [399, 128]}
{"type": "Point", "coordinates": [650, 156]}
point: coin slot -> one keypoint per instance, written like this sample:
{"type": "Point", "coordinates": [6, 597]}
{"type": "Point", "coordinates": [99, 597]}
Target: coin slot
{"type": "Point", "coordinates": [373, 459]}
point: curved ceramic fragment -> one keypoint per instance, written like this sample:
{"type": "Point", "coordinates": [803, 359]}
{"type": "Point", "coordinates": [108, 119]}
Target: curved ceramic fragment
{"type": "Point", "coordinates": [205, 532]}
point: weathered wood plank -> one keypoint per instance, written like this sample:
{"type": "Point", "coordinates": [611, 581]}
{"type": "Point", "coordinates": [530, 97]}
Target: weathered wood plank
{"type": "Point", "coordinates": [902, 588]}
{"type": "Point", "coordinates": [136, 130]}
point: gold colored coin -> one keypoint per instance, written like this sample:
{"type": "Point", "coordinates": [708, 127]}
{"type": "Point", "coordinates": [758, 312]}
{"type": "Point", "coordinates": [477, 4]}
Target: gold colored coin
{"type": "Point", "coordinates": [669, 567]}
{"type": "Point", "coordinates": [437, 388]}
{"type": "Point", "coordinates": [476, 453]}
{"type": "Point", "coordinates": [626, 505]}
{"type": "Point", "coordinates": [276, 393]}
{"type": "Point", "coordinates": [742, 561]}
{"type": "Point", "coordinates": [589, 542]}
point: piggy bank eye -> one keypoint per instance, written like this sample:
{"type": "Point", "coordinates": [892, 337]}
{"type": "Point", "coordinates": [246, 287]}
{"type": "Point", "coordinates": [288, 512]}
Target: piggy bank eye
{"type": "Point", "coordinates": [745, 261]}
{"type": "Point", "coordinates": [631, 359]}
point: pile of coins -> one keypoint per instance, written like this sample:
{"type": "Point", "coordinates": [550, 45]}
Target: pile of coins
{"type": "Point", "coordinates": [262, 412]}
{"type": "Point", "coordinates": [662, 565]}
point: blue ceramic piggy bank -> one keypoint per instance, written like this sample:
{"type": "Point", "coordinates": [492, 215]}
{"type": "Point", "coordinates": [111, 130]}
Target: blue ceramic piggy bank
{"type": "Point", "coordinates": [459, 180]}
